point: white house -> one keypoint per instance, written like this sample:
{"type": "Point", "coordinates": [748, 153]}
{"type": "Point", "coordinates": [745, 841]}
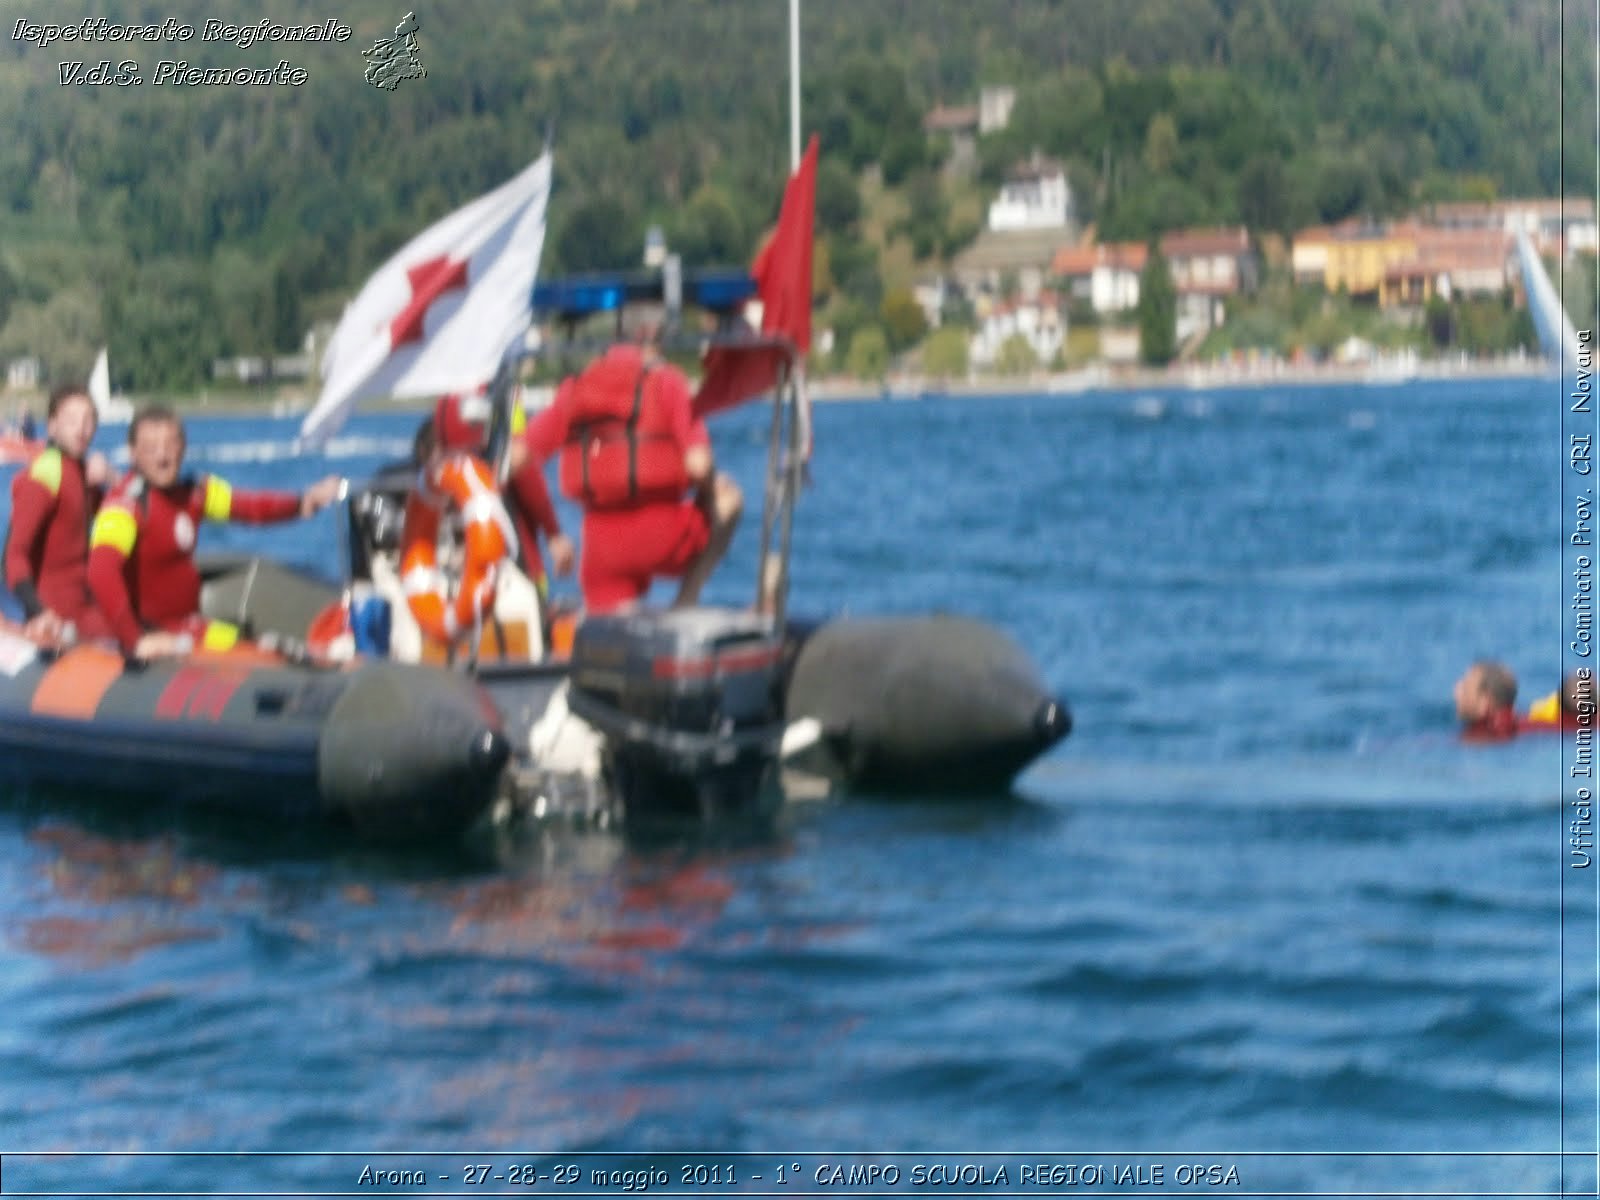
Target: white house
{"type": "Point", "coordinates": [1040, 322]}
{"type": "Point", "coordinates": [1034, 196]}
{"type": "Point", "coordinates": [931, 294]}
{"type": "Point", "coordinates": [1107, 275]}
{"type": "Point", "coordinates": [995, 103]}
{"type": "Point", "coordinates": [24, 373]}
{"type": "Point", "coordinates": [1554, 225]}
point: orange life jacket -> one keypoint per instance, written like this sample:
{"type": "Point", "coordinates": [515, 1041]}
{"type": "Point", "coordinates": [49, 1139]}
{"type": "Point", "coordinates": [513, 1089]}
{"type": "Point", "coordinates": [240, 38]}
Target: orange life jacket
{"type": "Point", "coordinates": [620, 451]}
{"type": "Point", "coordinates": [465, 483]}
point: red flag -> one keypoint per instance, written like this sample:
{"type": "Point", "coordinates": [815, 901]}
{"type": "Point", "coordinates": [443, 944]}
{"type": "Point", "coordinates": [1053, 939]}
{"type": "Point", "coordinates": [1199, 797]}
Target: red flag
{"type": "Point", "coordinates": [782, 272]}
{"type": "Point", "coordinates": [783, 268]}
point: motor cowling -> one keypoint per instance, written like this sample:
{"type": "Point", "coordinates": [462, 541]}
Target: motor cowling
{"type": "Point", "coordinates": [690, 702]}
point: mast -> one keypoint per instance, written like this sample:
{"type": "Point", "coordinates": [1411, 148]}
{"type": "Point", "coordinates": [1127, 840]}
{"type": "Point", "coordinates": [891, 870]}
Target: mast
{"type": "Point", "coordinates": [794, 84]}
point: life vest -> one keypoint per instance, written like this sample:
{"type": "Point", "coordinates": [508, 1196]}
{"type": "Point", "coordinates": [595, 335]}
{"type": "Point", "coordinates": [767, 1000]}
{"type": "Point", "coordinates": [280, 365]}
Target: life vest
{"type": "Point", "coordinates": [464, 484]}
{"type": "Point", "coordinates": [1499, 725]}
{"type": "Point", "coordinates": [620, 450]}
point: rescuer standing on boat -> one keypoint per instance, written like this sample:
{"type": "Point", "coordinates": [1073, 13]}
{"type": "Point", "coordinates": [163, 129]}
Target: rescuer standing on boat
{"type": "Point", "coordinates": [528, 499]}
{"type": "Point", "coordinates": [141, 550]}
{"type": "Point", "coordinates": [631, 450]}
{"type": "Point", "coordinates": [52, 503]}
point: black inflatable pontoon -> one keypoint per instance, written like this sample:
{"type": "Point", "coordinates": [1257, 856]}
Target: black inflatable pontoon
{"type": "Point", "coordinates": [391, 751]}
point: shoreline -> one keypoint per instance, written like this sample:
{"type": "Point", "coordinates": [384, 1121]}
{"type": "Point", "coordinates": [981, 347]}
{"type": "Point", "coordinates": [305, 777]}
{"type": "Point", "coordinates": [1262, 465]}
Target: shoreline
{"type": "Point", "coordinates": [295, 401]}
{"type": "Point", "coordinates": [1190, 377]}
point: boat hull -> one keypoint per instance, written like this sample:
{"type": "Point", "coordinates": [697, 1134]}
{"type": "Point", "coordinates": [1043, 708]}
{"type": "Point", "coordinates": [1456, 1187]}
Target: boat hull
{"type": "Point", "coordinates": [392, 752]}
{"type": "Point", "coordinates": [904, 703]}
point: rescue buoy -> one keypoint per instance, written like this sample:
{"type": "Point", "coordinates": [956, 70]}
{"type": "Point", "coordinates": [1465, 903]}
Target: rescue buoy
{"type": "Point", "coordinates": [463, 484]}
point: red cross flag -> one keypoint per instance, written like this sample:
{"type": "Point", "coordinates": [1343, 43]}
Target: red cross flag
{"type": "Point", "coordinates": [439, 316]}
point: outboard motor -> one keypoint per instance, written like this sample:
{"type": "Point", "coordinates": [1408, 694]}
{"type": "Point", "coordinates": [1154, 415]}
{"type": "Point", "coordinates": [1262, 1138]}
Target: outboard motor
{"type": "Point", "coordinates": [690, 704]}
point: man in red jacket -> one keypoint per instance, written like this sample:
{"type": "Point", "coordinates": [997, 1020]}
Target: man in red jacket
{"type": "Point", "coordinates": [52, 503]}
{"type": "Point", "coordinates": [639, 461]}
{"type": "Point", "coordinates": [141, 551]}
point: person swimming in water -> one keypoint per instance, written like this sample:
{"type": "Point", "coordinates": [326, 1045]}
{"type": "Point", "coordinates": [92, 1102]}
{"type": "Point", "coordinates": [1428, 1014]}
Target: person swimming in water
{"type": "Point", "coordinates": [1486, 698]}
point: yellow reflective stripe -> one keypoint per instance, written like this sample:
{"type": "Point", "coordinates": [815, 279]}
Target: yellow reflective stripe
{"type": "Point", "coordinates": [519, 420]}
{"type": "Point", "coordinates": [219, 499]}
{"type": "Point", "coordinates": [115, 527]}
{"type": "Point", "coordinates": [46, 469]}
{"type": "Point", "coordinates": [542, 585]}
{"type": "Point", "coordinates": [219, 635]}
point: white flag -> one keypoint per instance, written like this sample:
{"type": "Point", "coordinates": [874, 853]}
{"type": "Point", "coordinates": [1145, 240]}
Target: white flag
{"type": "Point", "coordinates": [440, 315]}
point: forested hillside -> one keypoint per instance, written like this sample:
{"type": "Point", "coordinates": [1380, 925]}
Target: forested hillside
{"type": "Point", "coordinates": [182, 223]}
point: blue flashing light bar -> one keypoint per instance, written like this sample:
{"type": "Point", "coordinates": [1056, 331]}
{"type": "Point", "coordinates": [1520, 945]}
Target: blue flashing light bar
{"type": "Point", "coordinates": [720, 291]}
{"type": "Point", "coordinates": [580, 296]}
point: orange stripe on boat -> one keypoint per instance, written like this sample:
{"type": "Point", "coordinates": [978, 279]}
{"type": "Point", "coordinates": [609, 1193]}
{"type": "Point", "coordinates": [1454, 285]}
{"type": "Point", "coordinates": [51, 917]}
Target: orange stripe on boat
{"type": "Point", "coordinates": [77, 682]}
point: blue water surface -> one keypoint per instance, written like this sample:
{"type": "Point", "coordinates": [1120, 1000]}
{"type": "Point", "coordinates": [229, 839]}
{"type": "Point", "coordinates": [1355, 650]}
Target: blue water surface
{"type": "Point", "coordinates": [1262, 900]}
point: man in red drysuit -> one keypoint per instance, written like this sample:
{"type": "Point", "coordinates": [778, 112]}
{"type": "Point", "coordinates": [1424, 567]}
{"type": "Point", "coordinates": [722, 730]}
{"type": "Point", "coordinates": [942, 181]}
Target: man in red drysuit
{"type": "Point", "coordinates": [52, 503]}
{"type": "Point", "coordinates": [141, 550]}
{"type": "Point", "coordinates": [633, 454]}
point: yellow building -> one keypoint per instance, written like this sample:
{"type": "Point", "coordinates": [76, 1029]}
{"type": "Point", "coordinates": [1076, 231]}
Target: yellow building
{"type": "Point", "coordinates": [1358, 262]}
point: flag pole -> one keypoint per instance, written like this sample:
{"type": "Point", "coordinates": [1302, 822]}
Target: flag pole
{"type": "Point", "coordinates": [794, 84]}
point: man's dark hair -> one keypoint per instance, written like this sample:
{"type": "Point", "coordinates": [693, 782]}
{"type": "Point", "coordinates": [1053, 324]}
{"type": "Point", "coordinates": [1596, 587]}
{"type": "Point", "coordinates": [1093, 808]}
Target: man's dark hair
{"type": "Point", "coordinates": [63, 392]}
{"type": "Point", "coordinates": [423, 444]}
{"type": "Point", "coordinates": [1497, 680]}
{"type": "Point", "coordinates": [152, 414]}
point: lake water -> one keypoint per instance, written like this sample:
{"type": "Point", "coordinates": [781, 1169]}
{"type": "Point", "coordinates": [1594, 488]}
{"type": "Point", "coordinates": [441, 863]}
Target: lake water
{"type": "Point", "coordinates": [1261, 912]}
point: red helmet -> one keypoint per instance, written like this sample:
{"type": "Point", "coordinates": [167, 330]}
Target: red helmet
{"type": "Point", "coordinates": [458, 428]}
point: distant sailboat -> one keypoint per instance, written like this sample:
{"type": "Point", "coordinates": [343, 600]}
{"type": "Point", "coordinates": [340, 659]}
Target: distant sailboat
{"type": "Point", "coordinates": [1557, 337]}
{"type": "Point", "coordinates": [112, 409]}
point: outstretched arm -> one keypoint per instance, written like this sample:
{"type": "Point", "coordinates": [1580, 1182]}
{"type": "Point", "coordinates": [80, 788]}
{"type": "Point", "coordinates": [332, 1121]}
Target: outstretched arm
{"type": "Point", "coordinates": [111, 542]}
{"type": "Point", "coordinates": [223, 503]}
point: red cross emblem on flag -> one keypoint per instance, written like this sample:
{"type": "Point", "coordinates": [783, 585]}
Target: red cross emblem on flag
{"type": "Point", "coordinates": [429, 280]}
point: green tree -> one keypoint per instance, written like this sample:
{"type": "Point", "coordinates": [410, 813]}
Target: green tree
{"type": "Point", "coordinates": [855, 270]}
{"type": "Point", "coordinates": [710, 231]}
{"type": "Point", "coordinates": [9, 291]}
{"type": "Point", "coordinates": [1015, 356]}
{"type": "Point", "coordinates": [63, 332]}
{"type": "Point", "coordinates": [1265, 200]}
{"type": "Point", "coordinates": [944, 354]}
{"type": "Point", "coordinates": [1436, 319]}
{"type": "Point", "coordinates": [838, 201]}
{"type": "Point", "coordinates": [1160, 144]}
{"type": "Point", "coordinates": [926, 218]}
{"type": "Point", "coordinates": [1158, 311]}
{"type": "Point", "coordinates": [903, 319]}
{"type": "Point", "coordinates": [869, 354]}
{"type": "Point", "coordinates": [287, 325]}
{"type": "Point", "coordinates": [162, 328]}
{"type": "Point", "coordinates": [905, 152]}
{"type": "Point", "coordinates": [599, 236]}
